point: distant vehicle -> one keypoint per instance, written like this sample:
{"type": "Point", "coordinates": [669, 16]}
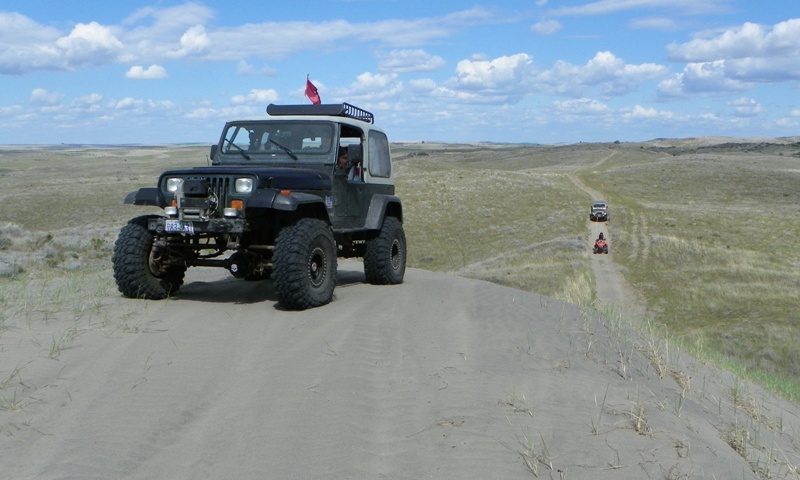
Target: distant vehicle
{"type": "Point", "coordinates": [273, 203]}
{"type": "Point", "coordinates": [599, 211]}
{"type": "Point", "coordinates": [600, 246]}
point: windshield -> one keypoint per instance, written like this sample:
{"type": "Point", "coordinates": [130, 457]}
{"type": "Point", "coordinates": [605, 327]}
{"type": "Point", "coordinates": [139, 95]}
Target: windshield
{"type": "Point", "coordinates": [276, 141]}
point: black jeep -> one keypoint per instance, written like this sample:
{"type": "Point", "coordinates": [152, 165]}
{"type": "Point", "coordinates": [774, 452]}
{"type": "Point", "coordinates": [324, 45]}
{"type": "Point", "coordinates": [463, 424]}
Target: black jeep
{"type": "Point", "coordinates": [272, 203]}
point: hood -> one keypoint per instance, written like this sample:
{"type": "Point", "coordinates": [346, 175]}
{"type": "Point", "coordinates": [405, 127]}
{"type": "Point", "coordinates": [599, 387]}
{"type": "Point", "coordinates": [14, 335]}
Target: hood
{"type": "Point", "coordinates": [281, 178]}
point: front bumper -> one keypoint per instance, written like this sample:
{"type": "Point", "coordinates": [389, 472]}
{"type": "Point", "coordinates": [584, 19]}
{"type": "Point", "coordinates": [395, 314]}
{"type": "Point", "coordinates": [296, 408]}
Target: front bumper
{"type": "Point", "coordinates": [214, 226]}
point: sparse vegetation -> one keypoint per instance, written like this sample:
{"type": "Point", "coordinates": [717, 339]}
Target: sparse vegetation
{"type": "Point", "coordinates": [529, 233]}
{"type": "Point", "coordinates": [702, 234]}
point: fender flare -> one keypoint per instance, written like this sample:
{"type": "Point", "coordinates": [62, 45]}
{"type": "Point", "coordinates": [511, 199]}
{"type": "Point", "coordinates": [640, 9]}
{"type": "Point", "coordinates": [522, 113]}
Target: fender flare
{"type": "Point", "coordinates": [380, 207]}
{"type": "Point", "coordinates": [145, 196]}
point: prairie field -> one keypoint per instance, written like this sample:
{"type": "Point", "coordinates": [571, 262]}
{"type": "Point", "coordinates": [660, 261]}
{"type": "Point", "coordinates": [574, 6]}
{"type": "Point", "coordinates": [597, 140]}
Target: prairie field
{"type": "Point", "coordinates": [672, 356]}
{"type": "Point", "coordinates": [703, 230]}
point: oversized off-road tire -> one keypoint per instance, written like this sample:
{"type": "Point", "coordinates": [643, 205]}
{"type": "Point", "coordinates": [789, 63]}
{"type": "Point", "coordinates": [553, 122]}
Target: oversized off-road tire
{"type": "Point", "coordinates": [304, 265]}
{"type": "Point", "coordinates": [135, 264]}
{"type": "Point", "coordinates": [385, 255]}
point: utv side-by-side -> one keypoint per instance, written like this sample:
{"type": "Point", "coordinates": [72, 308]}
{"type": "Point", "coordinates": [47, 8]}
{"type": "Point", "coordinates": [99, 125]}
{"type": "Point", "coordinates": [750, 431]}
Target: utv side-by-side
{"type": "Point", "coordinates": [273, 203]}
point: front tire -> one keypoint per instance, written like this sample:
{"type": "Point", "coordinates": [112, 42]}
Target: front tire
{"type": "Point", "coordinates": [385, 256]}
{"type": "Point", "coordinates": [137, 268]}
{"type": "Point", "coordinates": [304, 265]}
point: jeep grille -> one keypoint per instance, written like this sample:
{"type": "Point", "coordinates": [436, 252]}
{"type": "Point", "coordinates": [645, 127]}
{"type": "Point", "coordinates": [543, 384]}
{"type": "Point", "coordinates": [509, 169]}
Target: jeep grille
{"type": "Point", "coordinates": [218, 197]}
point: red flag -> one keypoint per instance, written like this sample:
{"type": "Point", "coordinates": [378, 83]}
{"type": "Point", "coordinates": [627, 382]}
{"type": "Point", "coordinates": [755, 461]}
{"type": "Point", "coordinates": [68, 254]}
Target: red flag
{"type": "Point", "coordinates": [312, 93]}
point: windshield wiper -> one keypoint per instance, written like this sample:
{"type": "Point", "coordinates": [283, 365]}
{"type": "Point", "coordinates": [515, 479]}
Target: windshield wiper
{"type": "Point", "coordinates": [288, 152]}
{"type": "Point", "coordinates": [238, 148]}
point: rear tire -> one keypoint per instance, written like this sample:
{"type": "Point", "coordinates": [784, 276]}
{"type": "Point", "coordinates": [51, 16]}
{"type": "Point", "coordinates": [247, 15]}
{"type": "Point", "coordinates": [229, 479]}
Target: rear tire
{"type": "Point", "coordinates": [136, 269]}
{"type": "Point", "coordinates": [385, 255]}
{"type": "Point", "coordinates": [304, 265]}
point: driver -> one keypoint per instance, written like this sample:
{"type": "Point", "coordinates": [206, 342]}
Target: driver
{"type": "Point", "coordinates": [344, 168]}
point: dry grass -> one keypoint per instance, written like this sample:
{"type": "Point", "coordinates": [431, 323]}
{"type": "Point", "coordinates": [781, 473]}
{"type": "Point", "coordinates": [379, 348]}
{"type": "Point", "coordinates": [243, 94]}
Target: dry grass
{"type": "Point", "coordinates": [707, 237]}
{"type": "Point", "coordinates": [498, 213]}
{"type": "Point", "coordinates": [704, 235]}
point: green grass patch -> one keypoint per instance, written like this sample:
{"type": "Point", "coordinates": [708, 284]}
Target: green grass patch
{"type": "Point", "coordinates": [708, 239]}
{"type": "Point", "coordinates": [498, 214]}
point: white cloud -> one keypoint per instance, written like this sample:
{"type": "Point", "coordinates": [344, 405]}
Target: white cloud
{"type": "Point", "coordinates": [26, 46]}
{"type": "Point", "coordinates": [546, 27]}
{"type": "Point", "coordinates": [747, 53]}
{"type": "Point", "coordinates": [87, 103]}
{"type": "Point", "coordinates": [241, 111]}
{"type": "Point", "coordinates": [746, 107]}
{"type": "Point", "coordinates": [701, 78]}
{"type": "Point", "coordinates": [91, 99]}
{"type": "Point", "coordinates": [501, 73]}
{"type": "Point", "coordinates": [202, 113]}
{"type": "Point", "coordinates": [153, 35]}
{"type": "Point", "coordinates": [663, 24]}
{"type": "Point", "coordinates": [90, 43]}
{"type": "Point", "coordinates": [507, 79]}
{"type": "Point", "coordinates": [40, 96]}
{"type": "Point", "coordinates": [132, 105]}
{"type": "Point", "coordinates": [764, 70]}
{"type": "Point", "coordinates": [406, 61]}
{"type": "Point", "coordinates": [639, 112]}
{"type": "Point", "coordinates": [481, 81]}
{"type": "Point", "coordinates": [422, 84]}
{"type": "Point", "coordinates": [194, 41]}
{"type": "Point", "coordinates": [150, 73]}
{"type": "Point", "coordinates": [605, 71]}
{"type": "Point", "coordinates": [371, 87]}
{"type": "Point", "coordinates": [746, 41]}
{"type": "Point", "coordinates": [604, 7]}
{"type": "Point", "coordinates": [125, 103]}
{"type": "Point", "coordinates": [582, 106]}
{"type": "Point", "coordinates": [247, 70]}
{"type": "Point", "coordinates": [256, 97]}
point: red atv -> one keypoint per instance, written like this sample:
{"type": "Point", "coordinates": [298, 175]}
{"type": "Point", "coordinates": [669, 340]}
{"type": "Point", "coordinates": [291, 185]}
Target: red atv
{"type": "Point", "coordinates": [600, 246]}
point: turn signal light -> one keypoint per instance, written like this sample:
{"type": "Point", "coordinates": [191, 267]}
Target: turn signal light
{"type": "Point", "coordinates": [237, 204]}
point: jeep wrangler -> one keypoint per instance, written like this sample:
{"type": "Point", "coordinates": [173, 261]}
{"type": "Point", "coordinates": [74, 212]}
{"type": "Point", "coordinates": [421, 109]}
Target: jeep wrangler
{"type": "Point", "coordinates": [272, 203]}
{"type": "Point", "coordinates": [599, 211]}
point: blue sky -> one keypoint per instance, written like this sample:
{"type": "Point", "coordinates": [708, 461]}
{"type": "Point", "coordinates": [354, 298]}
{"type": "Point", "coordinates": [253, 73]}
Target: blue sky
{"type": "Point", "coordinates": [540, 71]}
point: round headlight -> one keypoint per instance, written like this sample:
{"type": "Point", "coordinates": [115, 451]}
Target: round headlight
{"type": "Point", "coordinates": [243, 185]}
{"type": "Point", "coordinates": [173, 184]}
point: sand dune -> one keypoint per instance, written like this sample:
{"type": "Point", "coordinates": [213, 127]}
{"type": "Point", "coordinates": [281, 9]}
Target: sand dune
{"type": "Point", "coordinates": [441, 377]}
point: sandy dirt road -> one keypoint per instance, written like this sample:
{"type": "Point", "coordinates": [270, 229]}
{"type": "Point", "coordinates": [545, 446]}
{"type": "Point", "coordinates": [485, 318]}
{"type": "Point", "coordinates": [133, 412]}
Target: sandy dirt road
{"type": "Point", "coordinates": [400, 382]}
{"type": "Point", "coordinates": [612, 292]}
{"type": "Point", "coordinates": [440, 377]}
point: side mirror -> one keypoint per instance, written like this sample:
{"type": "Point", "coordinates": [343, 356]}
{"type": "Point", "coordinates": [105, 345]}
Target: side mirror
{"type": "Point", "coordinates": [355, 153]}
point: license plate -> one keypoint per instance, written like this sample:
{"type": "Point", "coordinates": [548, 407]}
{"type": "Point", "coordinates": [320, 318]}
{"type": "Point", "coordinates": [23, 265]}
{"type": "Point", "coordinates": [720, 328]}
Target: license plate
{"type": "Point", "coordinates": [178, 226]}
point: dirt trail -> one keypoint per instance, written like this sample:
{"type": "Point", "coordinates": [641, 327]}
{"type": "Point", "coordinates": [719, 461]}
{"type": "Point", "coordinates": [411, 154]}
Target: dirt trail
{"type": "Point", "coordinates": [612, 292]}
{"type": "Point", "coordinates": [440, 377]}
